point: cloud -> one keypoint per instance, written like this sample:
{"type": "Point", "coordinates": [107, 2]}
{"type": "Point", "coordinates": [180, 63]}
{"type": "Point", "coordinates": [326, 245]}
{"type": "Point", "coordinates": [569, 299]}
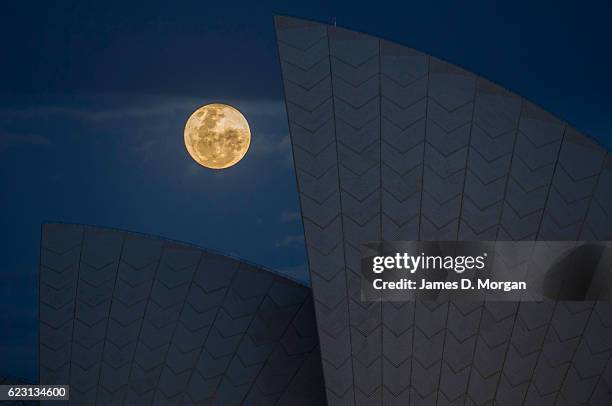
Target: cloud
{"type": "Point", "coordinates": [267, 145]}
{"type": "Point", "coordinates": [270, 145]}
{"type": "Point", "coordinates": [100, 107]}
{"type": "Point", "coordinates": [290, 241]}
{"type": "Point", "coordinates": [299, 272]}
{"type": "Point", "coordinates": [163, 113]}
{"type": "Point", "coordinates": [148, 125]}
{"type": "Point", "coordinates": [8, 140]}
{"type": "Point", "coordinates": [289, 216]}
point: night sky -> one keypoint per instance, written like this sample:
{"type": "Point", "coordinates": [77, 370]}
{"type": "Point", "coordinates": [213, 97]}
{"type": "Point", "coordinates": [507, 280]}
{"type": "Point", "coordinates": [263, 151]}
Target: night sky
{"type": "Point", "coordinates": [94, 97]}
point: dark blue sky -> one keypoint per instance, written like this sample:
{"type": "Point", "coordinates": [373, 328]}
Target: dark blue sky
{"type": "Point", "coordinates": [93, 99]}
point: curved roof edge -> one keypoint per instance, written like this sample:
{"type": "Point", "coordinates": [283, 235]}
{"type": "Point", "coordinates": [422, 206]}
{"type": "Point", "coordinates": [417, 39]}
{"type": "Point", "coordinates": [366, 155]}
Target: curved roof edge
{"type": "Point", "coordinates": [278, 19]}
{"type": "Point", "coordinates": [189, 244]}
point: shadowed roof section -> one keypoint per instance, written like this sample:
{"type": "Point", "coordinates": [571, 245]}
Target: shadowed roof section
{"type": "Point", "coordinates": [132, 319]}
{"type": "Point", "coordinates": [390, 143]}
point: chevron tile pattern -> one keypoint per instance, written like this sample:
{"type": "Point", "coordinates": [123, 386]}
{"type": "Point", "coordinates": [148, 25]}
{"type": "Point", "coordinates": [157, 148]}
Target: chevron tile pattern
{"type": "Point", "coordinates": [393, 144]}
{"type": "Point", "coordinates": [404, 78]}
{"type": "Point", "coordinates": [127, 319]}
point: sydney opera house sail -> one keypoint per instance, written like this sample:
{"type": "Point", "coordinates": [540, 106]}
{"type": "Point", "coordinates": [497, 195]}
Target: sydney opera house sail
{"type": "Point", "coordinates": [390, 143]}
{"type": "Point", "coordinates": [128, 319]}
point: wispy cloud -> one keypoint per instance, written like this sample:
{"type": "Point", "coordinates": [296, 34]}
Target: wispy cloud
{"type": "Point", "coordinates": [120, 106]}
{"type": "Point", "coordinates": [148, 126]}
{"type": "Point", "coordinates": [290, 241]}
{"type": "Point", "coordinates": [266, 144]}
{"type": "Point", "coordinates": [11, 139]}
{"type": "Point", "coordinates": [289, 216]}
{"type": "Point", "coordinates": [299, 272]}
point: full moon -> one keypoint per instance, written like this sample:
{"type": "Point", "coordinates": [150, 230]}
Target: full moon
{"type": "Point", "coordinates": [217, 136]}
